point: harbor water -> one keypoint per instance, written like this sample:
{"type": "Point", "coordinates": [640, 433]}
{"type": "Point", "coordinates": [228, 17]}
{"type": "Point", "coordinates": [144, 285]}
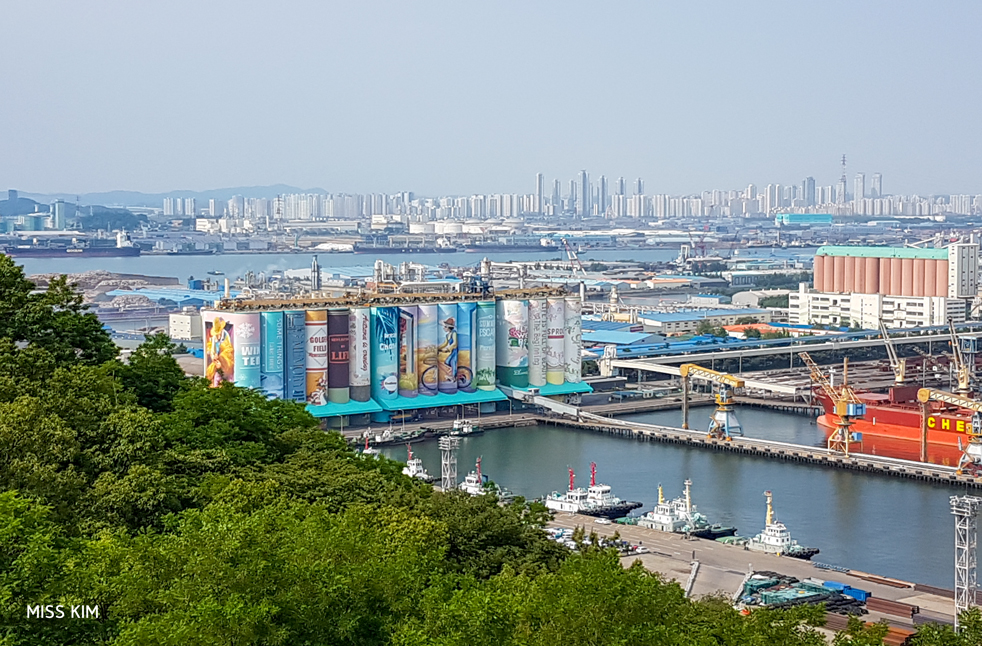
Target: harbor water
{"type": "Point", "coordinates": [878, 524]}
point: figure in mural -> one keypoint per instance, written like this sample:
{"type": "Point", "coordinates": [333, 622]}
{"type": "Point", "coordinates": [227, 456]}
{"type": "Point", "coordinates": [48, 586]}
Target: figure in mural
{"type": "Point", "coordinates": [220, 353]}
{"type": "Point", "coordinates": [447, 355]}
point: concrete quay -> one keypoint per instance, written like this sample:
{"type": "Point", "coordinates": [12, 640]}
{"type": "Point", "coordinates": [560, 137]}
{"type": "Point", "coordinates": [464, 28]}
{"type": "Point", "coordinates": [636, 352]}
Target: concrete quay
{"type": "Point", "coordinates": [722, 569]}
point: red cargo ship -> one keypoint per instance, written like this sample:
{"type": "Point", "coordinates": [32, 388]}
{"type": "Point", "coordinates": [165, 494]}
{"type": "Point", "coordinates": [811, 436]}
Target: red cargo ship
{"type": "Point", "coordinates": [893, 422]}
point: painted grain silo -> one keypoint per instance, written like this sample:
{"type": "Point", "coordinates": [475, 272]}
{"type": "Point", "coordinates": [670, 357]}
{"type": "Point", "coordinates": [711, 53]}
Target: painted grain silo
{"type": "Point", "coordinates": [316, 325]}
{"type": "Point", "coordinates": [273, 355]}
{"type": "Point", "coordinates": [555, 344]}
{"type": "Point", "coordinates": [295, 355]}
{"type": "Point", "coordinates": [385, 353]}
{"type": "Point", "coordinates": [338, 391]}
{"type": "Point", "coordinates": [486, 346]}
{"type": "Point", "coordinates": [467, 341]}
{"type": "Point", "coordinates": [360, 364]}
{"type": "Point", "coordinates": [512, 358]}
{"type": "Point", "coordinates": [572, 341]}
{"type": "Point", "coordinates": [538, 313]}
{"type": "Point", "coordinates": [408, 377]}
{"type": "Point", "coordinates": [447, 349]}
{"type": "Point", "coordinates": [426, 353]}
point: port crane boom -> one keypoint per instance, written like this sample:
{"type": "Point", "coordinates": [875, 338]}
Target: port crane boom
{"type": "Point", "coordinates": [724, 423]}
{"type": "Point", "coordinates": [962, 369]}
{"type": "Point", "coordinates": [972, 454]}
{"type": "Point", "coordinates": [899, 365]}
{"type": "Point", "coordinates": [847, 404]}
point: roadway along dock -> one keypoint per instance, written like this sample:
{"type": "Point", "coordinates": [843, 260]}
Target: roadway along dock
{"type": "Point", "coordinates": [722, 568]}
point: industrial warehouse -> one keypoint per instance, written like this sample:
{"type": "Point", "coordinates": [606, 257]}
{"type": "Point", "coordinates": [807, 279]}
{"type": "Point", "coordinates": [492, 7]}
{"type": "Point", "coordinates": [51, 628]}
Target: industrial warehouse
{"type": "Point", "coordinates": [385, 357]}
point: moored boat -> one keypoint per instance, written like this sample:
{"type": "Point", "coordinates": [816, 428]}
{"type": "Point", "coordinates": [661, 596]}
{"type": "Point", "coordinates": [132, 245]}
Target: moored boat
{"type": "Point", "coordinates": [776, 539]}
{"type": "Point", "coordinates": [414, 467]}
{"type": "Point", "coordinates": [679, 516]}
{"type": "Point", "coordinates": [597, 500]}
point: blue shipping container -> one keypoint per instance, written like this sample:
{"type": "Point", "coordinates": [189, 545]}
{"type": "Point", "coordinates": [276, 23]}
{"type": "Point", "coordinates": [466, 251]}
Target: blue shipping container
{"type": "Point", "coordinates": [835, 585]}
{"type": "Point", "coordinates": [855, 593]}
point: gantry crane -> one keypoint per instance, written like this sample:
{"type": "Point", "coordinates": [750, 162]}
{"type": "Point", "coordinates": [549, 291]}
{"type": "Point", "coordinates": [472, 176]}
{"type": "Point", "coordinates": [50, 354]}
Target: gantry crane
{"type": "Point", "coordinates": [724, 423]}
{"type": "Point", "coordinates": [574, 260]}
{"type": "Point", "coordinates": [844, 399]}
{"type": "Point", "coordinates": [962, 370]}
{"type": "Point", "coordinates": [971, 457]}
{"type": "Point", "coordinates": [899, 365]}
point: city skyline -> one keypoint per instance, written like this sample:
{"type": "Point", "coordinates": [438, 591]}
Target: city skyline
{"type": "Point", "coordinates": [454, 99]}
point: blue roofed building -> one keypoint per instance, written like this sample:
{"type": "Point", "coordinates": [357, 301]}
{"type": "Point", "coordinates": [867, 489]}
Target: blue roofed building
{"type": "Point", "coordinates": [688, 321]}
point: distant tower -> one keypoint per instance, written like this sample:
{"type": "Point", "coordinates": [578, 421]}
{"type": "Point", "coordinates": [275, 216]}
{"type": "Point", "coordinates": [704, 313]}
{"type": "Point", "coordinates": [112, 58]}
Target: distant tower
{"type": "Point", "coordinates": [639, 187]}
{"type": "Point", "coordinates": [602, 195]}
{"type": "Point", "coordinates": [620, 186]}
{"type": "Point", "coordinates": [840, 193]}
{"type": "Point", "coordinates": [557, 197]}
{"type": "Point", "coordinates": [572, 195]}
{"type": "Point", "coordinates": [583, 206]}
{"type": "Point", "coordinates": [448, 462]}
{"type": "Point", "coordinates": [859, 187]}
{"type": "Point", "coordinates": [538, 193]}
{"type": "Point", "coordinates": [808, 191]}
{"type": "Point", "coordinates": [315, 275]}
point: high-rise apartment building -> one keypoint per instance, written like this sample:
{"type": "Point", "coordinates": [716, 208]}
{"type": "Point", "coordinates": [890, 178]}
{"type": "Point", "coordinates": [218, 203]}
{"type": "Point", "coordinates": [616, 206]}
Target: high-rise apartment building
{"type": "Point", "coordinates": [808, 191]}
{"type": "Point", "coordinates": [215, 208]}
{"type": "Point", "coordinates": [557, 197]}
{"type": "Point", "coordinates": [876, 189]}
{"type": "Point", "coordinates": [859, 187]}
{"type": "Point", "coordinates": [537, 204]}
{"type": "Point", "coordinates": [639, 187]}
{"type": "Point", "coordinates": [602, 195]}
{"type": "Point", "coordinates": [620, 186]}
{"type": "Point", "coordinates": [583, 205]}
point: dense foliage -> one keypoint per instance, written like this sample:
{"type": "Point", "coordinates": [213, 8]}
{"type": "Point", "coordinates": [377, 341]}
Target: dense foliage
{"type": "Point", "coordinates": [193, 515]}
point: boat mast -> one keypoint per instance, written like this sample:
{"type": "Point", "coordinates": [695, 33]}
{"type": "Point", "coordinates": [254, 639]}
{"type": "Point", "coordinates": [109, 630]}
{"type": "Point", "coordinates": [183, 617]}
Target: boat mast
{"type": "Point", "coordinates": [770, 509]}
{"type": "Point", "coordinates": [593, 474]}
{"type": "Point", "coordinates": [479, 469]}
{"type": "Point", "coordinates": [572, 477]}
{"type": "Point", "coordinates": [688, 497]}
{"type": "Point", "coordinates": [661, 495]}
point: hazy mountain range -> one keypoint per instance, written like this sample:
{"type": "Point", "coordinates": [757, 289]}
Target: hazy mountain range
{"type": "Point", "coordinates": [135, 198]}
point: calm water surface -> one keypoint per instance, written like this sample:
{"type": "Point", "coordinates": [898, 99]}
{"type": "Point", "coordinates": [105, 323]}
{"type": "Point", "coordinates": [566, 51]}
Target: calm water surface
{"type": "Point", "coordinates": [877, 524]}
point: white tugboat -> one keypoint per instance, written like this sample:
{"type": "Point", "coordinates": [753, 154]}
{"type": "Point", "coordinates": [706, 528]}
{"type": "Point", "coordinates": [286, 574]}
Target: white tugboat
{"type": "Point", "coordinates": [595, 501]}
{"type": "Point", "coordinates": [477, 484]}
{"type": "Point", "coordinates": [463, 427]}
{"type": "Point", "coordinates": [776, 539]}
{"type": "Point", "coordinates": [370, 451]}
{"type": "Point", "coordinates": [679, 516]}
{"type": "Point", "coordinates": [414, 467]}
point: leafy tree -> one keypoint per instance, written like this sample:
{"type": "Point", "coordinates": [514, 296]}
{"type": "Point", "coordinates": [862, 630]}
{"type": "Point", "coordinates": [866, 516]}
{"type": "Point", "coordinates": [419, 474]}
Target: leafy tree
{"type": "Point", "coordinates": [745, 320]}
{"type": "Point", "coordinates": [153, 374]}
{"type": "Point", "coordinates": [774, 301]}
{"type": "Point", "coordinates": [857, 633]}
{"type": "Point", "coordinates": [751, 333]}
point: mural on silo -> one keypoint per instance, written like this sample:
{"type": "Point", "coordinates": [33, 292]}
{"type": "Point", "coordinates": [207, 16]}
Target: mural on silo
{"type": "Point", "coordinates": [359, 344]}
{"type": "Point", "coordinates": [447, 348]}
{"type": "Point", "coordinates": [408, 378]}
{"type": "Point", "coordinates": [338, 352]}
{"type": "Point", "coordinates": [573, 341]}
{"type": "Point", "coordinates": [555, 344]}
{"type": "Point", "coordinates": [316, 357]}
{"type": "Point", "coordinates": [537, 342]}
{"type": "Point", "coordinates": [233, 348]}
{"type": "Point", "coordinates": [295, 373]}
{"type": "Point", "coordinates": [467, 346]}
{"type": "Point", "coordinates": [486, 370]}
{"type": "Point", "coordinates": [427, 336]}
{"type": "Point", "coordinates": [512, 356]}
{"type": "Point", "coordinates": [273, 354]}
{"type": "Point", "coordinates": [385, 353]}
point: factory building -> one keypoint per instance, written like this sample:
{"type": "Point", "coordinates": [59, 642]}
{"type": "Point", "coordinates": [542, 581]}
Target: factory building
{"type": "Point", "coordinates": [382, 357]}
{"type": "Point", "coordinates": [905, 287]}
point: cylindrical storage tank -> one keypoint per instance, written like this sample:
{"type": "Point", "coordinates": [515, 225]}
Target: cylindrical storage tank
{"type": "Point", "coordinates": [385, 353]}
{"type": "Point", "coordinates": [884, 287]}
{"type": "Point", "coordinates": [907, 277]}
{"type": "Point", "coordinates": [819, 282]}
{"type": "Point", "coordinates": [512, 353]}
{"type": "Point", "coordinates": [338, 391]}
{"type": "Point", "coordinates": [417, 227]}
{"type": "Point", "coordinates": [408, 377]}
{"type": "Point", "coordinates": [467, 346]}
{"type": "Point", "coordinates": [359, 343]}
{"type": "Point", "coordinates": [447, 348]}
{"type": "Point", "coordinates": [248, 349]}
{"type": "Point", "coordinates": [316, 357]}
{"type": "Point", "coordinates": [941, 284]}
{"type": "Point", "coordinates": [838, 273]}
{"type": "Point", "coordinates": [555, 346]}
{"type": "Point", "coordinates": [295, 370]}
{"type": "Point", "coordinates": [872, 276]}
{"type": "Point", "coordinates": [829, 267]}
{"type": "Point", "coordinates": [538, 312]}
{"type": "Point", "coordinates": [859, 275]}
{"type": "Point", "coordinates": [919, 278]}
{"type": "Point", "coordinates": [573, 342]}
{"type": "Point", "coordinates": [271, 377]}
{"type": "Point", "coordinates": [426, 340]}
{"type": "Point", "coordinates": [486, 372]}
{"type": "Point", "coordinates": [849, 282]}
{"type": "Point", "coordinates": [896, 276]}
{"type": "Point", "coordinates": [930, 278]}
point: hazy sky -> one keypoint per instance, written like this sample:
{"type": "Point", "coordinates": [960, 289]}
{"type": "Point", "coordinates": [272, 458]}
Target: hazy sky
{"type": "Point", "coordinates": [459, 97]}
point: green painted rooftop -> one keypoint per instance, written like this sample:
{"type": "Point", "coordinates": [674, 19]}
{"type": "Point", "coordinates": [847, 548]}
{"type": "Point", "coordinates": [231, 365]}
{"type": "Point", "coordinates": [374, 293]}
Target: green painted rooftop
{"type": "Point", "coordinates": [882, 252]}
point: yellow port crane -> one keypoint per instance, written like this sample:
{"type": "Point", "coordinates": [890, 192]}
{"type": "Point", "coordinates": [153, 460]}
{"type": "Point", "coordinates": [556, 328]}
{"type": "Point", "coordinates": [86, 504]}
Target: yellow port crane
{"type": "Point", "coordinates": [971, 457]}
{"type": "Point", "coordinates": [846, 403]}
{"type": "Point", "coordinates": [724, 423]}
{"type": "Point", "coordinates": [962, 369]}
{"type": "Point", "coordinates": [898, 364]}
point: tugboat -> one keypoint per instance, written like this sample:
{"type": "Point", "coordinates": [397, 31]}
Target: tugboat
{"type": "Point", "coordinates": [370, 450]}
{"type": "Point", "coordinates": [414, 467]}
{"type": "Point", "coordinates": [462, 427]}
{"type": "Point", "coordinates": [776, 539]}
{"type": "Point", "coordinates": [595, 501]}
{"type": "Point", "coordinates": [679, 516]}
{"type": "Point", "coordinates": [477, 484]}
